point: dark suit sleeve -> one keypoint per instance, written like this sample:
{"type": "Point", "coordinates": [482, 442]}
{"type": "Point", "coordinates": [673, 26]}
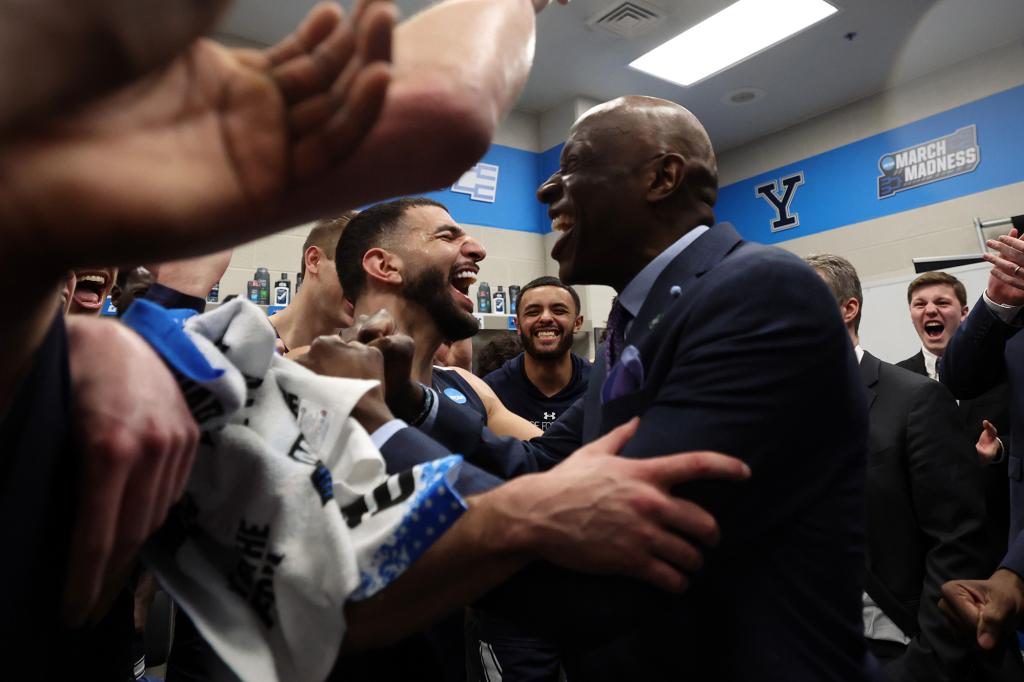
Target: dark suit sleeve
{"type": "Point", "coordinates": [464, 431]}
{"type": "Point", "coordinates": [948, 500]}
{"type": "Point", "coordinates": [973, 362]}
{"type": "Point", "coordinates": [409, 447]}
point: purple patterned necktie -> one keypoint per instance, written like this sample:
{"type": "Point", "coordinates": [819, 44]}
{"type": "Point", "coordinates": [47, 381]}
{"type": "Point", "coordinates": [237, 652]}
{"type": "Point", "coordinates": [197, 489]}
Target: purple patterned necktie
{"type": "Point", "coordinates": [618, 318]}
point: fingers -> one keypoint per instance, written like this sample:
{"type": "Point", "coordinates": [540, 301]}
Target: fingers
{"type": "Point", "coordinates": [962, 604]}
{"type": "Point", "coordinates": [691, 520]}
{"type": "Point", "coordinates": [361, 108]}
{"type": "Point", "coordinates": [613, 441]}
{"type": "Point", "coordinates": [663, 576]}
{"type": "Point", "coordinates": [342, 84]}
{"type": "Point", "coordinates": [317, 25]}
{"type": "Point", "coordinates": [92, 540]}
{"type": "Point", "coordinates": [326, 81]}
{"type": "Point", "coordinates": [377, 326]}
{"type": "Point", "coordinates": [669, 470]}
{"type": "Point", "coordinates": [313, 73]}
{"type": "Point", "coordinates": [1003, 270]}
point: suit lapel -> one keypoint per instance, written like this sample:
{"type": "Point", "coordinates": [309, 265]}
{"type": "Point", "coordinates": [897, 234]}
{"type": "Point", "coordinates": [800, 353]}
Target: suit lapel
{"type": "Point", "coordinates": [869, 366]}
{"type": "Point", "coordinates": [916, 364]}
{"type": "Point", "coordinates": [694, 261]}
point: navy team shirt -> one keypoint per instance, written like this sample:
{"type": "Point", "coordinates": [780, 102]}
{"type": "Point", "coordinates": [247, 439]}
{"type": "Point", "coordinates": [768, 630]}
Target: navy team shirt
{"type": "Point", "coordinates": [520, 396]}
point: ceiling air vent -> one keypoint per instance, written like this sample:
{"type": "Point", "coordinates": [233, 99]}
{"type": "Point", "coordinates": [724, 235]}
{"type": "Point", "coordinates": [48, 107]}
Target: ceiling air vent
{"type": "Point", "coordinates": [627, 19]}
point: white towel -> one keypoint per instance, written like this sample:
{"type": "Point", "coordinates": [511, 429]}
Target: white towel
{"type": "Point", "coordinates": [288, 511]}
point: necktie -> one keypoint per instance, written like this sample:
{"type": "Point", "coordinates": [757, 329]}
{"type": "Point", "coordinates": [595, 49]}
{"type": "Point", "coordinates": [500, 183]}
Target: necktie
{"type": "Point", "coordinates": [618, 318]}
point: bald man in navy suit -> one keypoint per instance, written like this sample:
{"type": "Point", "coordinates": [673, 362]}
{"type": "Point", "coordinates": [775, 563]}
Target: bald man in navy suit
{"type": "Point", "coordinates": [716, 343]}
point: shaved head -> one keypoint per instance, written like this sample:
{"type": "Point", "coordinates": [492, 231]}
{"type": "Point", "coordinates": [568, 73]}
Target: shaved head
{"type": "Point", "coordinates": [653, 125]}
{"type": "Point", "coordinates": [634, 175]}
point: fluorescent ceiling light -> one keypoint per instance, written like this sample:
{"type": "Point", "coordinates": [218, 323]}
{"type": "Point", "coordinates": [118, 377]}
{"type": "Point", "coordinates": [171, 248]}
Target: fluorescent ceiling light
{"type": "Point", "coordinates": [739, 31]}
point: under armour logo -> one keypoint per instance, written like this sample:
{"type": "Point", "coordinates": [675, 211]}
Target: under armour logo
{"type": "Point", "coordinates": [480, 182]}
{"type": "Point", "coordinates": [780, 193]}
{"type": "Point", "coordinates": [549, 416]}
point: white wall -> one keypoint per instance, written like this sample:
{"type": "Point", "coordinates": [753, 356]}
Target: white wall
{"type": "Point", "coordinates": [885, 328]}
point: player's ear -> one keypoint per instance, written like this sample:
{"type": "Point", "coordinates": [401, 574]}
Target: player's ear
{"type": "Point", "coordinates": [383, 266]}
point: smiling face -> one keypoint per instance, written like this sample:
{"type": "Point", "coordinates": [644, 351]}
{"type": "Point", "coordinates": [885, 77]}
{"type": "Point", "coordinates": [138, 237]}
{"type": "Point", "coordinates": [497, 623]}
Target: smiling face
{"type": "Point", "coordinates": [936, 313]}
{"type": "Point", "coordinates": [547, 320]}
{"type": "Point", "coordinates": [440, 262]}
{"type": "Point", "coordinates": [91, 289]}
{"type": "Point", "coordinates": [595, 199]}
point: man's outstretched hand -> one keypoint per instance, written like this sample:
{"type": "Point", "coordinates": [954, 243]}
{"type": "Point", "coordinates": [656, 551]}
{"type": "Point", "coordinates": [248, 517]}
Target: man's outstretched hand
{"type": "Point", "coordinates": [206, 150]}
{"type": "Point", "coordinates": [598, 513]}
{"type": "Point", "coordinates": [988, 609]}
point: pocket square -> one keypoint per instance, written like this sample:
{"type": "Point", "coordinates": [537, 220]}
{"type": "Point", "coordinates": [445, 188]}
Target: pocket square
{"type": "Point", "coordinates": [626, 376]}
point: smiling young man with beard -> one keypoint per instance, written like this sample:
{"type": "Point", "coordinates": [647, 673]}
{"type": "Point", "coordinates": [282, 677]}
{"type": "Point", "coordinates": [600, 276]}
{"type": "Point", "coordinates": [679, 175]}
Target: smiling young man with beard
{"type": "Point", "coordinates": [410, 258]}
{"type": "Point", "coordinates": [547, 377]}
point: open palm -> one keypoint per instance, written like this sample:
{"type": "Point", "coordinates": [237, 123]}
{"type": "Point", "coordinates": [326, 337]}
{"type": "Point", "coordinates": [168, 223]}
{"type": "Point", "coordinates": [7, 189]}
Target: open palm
{"type": "Point", "coordinates": [208, 147]}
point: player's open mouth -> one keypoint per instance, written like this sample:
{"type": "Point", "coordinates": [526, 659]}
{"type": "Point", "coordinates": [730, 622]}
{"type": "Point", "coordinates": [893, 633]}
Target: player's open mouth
{"type": "Point", "coordinates": [90, 290]}
{"type": "Point", "coordinates": [463, 276]}
{"type": "Point", "coordinates": [933, 330]}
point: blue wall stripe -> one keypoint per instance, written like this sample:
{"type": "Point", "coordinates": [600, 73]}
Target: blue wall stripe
{"type": "Point", "coordinates": [841, 186]}
{"type": "Point", "coordinates": [514, 207]}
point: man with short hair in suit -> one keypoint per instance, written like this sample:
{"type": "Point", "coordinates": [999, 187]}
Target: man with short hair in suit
{"type": "Point", "coordinates": [925, 510]}
{"type": "Point", "coordinates": [938, 304]}
{"type": "Point", "coordinates": [715, 342]}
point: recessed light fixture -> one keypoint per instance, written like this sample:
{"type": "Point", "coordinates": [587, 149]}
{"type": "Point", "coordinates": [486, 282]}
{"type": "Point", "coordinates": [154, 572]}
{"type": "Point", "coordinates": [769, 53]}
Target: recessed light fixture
{"type": "Point", "coordinates": [743, 96]}
{"type": "Point", "coordinates": [738, 32]}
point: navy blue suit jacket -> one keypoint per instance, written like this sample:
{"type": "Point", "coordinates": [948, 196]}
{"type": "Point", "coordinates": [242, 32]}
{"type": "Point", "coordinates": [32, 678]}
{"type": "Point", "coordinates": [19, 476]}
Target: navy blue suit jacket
{"type": "Point", "coordinates": [752, 360]}
{"type": "Point", "coordinates": [983, 352]}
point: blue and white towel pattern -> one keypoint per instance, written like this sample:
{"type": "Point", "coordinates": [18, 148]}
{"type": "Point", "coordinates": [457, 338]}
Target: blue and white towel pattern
{"type": "Point", "coordinates": [289, 512]}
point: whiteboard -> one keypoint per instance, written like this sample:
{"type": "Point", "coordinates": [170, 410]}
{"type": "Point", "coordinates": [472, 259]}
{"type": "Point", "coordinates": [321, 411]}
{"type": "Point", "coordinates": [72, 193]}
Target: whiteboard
{"type": "Point", "coordinates": [885, 327]}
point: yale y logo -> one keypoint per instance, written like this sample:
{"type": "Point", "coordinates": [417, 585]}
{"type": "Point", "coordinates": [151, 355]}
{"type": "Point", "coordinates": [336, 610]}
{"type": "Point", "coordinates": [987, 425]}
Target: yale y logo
{"type": "Point", "coordinates": [779, 193]}
{"type": "Point", "coordinates": [480, 182]}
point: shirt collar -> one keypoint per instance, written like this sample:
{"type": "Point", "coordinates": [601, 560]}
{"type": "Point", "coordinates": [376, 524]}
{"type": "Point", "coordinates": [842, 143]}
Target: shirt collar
{"type": "Point", "coordinates": [635, 293]}
{"type": "Point", "coordinates": [859, 352]}
{"type": "Point", "coordinates": [930, 362]}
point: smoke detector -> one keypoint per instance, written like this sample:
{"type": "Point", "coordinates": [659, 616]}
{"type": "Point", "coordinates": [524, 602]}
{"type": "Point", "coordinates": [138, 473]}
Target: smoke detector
{"type": "Point", "coordinates": [627, 18]}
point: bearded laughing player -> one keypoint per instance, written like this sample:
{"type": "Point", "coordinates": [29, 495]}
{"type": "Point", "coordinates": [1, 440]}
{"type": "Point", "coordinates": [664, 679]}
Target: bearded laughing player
{"type": "Point", "coordinates": [409, 257]}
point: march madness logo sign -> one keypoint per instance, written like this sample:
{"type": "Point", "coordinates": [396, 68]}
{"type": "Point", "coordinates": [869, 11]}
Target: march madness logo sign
{"type": "Point", "coordinates": [931, 161]}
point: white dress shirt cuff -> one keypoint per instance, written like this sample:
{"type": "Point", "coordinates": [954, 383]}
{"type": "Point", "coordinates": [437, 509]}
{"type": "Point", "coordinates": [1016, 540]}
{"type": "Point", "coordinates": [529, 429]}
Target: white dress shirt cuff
{"type": "Point", "coordinates": [1010, 314]}
{"type": "Point", "coordinates": [383, 434]}
{"type": "Point", "coordinates": [1000, 453]}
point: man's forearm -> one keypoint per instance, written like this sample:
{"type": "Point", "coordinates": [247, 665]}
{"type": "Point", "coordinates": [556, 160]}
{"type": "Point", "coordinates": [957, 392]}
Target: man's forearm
{"type": "Point", "coordinates": [488, 45]}
{"type": "Point", "coordinates": [479, 552]}
{"type": "Point", "coordinates": [458, 68]}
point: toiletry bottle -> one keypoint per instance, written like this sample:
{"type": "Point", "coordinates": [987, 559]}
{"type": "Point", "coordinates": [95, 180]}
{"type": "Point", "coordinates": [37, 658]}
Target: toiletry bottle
{"type": "Point", "coordinates": [483, 298]}
{"type": "Point", "coordinates": [499, 301]}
